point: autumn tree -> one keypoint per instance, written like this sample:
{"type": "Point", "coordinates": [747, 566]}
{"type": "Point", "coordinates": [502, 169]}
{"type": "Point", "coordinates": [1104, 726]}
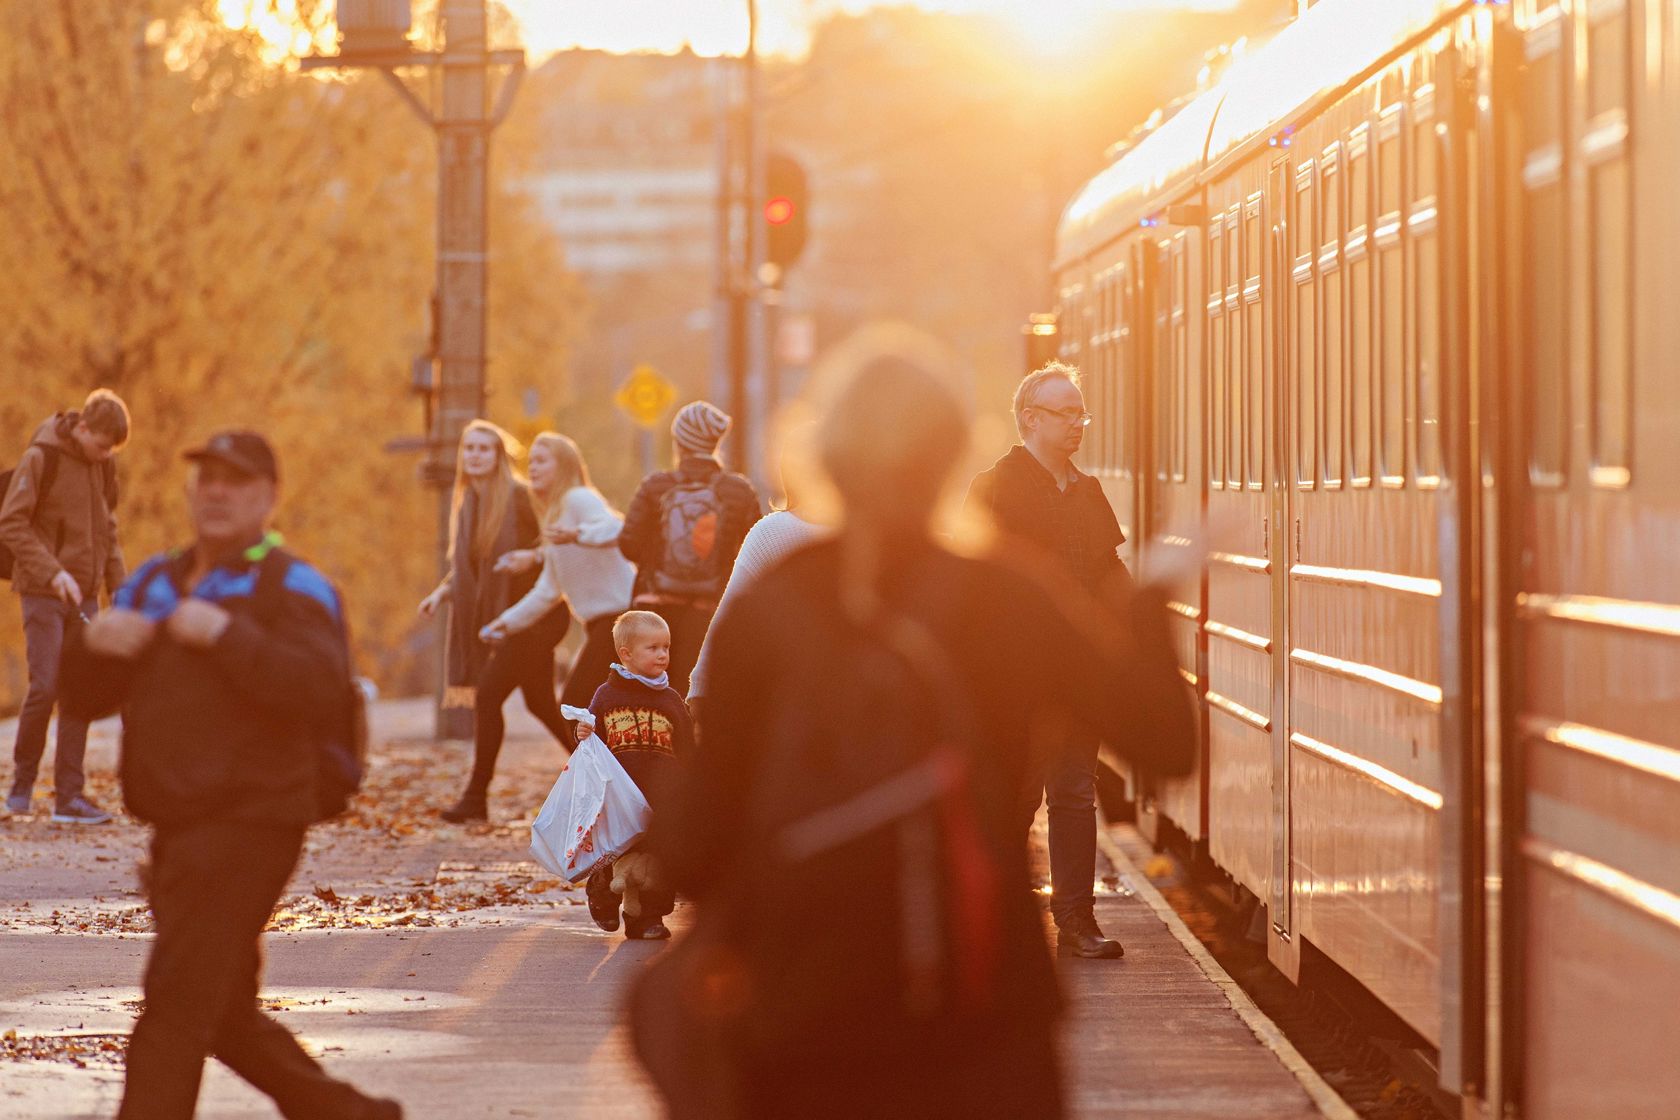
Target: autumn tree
{"type": "Point", "coordinates": [227, 242]}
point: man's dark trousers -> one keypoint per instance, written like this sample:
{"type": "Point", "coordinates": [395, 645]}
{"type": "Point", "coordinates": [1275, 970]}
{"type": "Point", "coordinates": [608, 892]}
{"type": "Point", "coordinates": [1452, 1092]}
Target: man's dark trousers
{"type": "Point", "coordinates": [213, 887]}
{"type": "Point", "coordinates": [45, 620]}
{"type": "Point", "coordinates": [1070, 790]}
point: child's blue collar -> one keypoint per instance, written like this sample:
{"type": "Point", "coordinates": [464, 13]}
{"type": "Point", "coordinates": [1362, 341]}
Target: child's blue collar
{"type": "Point", "coordinates": [663, 680]}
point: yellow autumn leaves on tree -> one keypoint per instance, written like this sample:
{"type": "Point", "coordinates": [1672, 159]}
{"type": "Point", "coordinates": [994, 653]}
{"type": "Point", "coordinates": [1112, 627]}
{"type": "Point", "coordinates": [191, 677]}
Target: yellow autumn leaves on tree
{"type": "Point", "coordinates": [224, 241]}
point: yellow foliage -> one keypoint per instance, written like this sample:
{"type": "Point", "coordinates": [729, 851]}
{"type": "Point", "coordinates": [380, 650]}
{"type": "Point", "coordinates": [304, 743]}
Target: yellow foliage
{"type": "Point", "coordinates": [226, 242]}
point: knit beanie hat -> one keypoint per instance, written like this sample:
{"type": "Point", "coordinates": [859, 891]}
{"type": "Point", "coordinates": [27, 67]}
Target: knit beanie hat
{"type": "Point", "coordinates": [699, 428]}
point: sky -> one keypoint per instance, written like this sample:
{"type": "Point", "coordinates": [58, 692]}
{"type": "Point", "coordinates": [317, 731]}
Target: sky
{"type": "Point", "coordinates": [720, 26]}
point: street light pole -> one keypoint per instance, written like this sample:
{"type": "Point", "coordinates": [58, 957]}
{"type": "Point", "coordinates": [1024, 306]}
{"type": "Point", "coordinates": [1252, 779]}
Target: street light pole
{"type": "Point", "coordinates": [743, 282]}
{"type": "Point", "coordinates": [463, 123]}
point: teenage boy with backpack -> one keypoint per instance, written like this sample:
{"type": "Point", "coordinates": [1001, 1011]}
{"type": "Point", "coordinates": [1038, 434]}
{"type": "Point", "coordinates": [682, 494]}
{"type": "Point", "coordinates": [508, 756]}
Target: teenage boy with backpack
{"type": "Point", "coordinates": [58, 544]}
{"type": "Point", "coordinates": [683, 530]}
{"type": "Point", "coordinates": [230, 661]}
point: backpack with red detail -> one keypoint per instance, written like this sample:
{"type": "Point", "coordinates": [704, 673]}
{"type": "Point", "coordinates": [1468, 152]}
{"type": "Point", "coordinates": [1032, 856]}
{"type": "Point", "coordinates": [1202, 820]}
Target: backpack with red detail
{"type": "Point", "coordinates": [690, 520]}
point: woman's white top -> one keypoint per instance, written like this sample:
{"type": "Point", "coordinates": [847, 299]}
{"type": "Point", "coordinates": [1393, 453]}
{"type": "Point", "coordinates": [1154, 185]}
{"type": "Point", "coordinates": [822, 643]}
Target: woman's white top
{"type": "Point", "coordinates": [591, 575]}
{"type": "Point", "coordinates": [770, 541]}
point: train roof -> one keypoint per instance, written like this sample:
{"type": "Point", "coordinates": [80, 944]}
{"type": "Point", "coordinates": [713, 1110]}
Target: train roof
{"type": "Point", "coordinates": [1331, 46]}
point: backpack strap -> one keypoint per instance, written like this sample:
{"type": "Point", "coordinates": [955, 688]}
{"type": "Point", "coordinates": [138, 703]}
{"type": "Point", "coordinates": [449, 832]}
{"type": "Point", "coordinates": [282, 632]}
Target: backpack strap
{"type": "Point", "coordinates": [273, 562]}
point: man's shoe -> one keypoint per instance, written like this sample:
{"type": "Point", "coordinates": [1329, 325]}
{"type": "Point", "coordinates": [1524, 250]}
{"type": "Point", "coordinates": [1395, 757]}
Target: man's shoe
{"type": "Point", "coordinates": [19, 804]}
{"type": "Point", "coordinates": [80, 811]}
{"type": "Point", "coordinates": [657, 931]}
{"type": "Point", "coordinates": [1087, 941]}
{"type": "Point", "coordinates": [603, 903]}
{"type": "Point", "coordinates": [469, 808]}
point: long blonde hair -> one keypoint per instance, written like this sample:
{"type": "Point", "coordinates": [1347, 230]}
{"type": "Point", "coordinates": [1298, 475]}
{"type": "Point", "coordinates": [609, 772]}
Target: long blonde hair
{"type": "Point", "coordinates": [570, 472]}
{"type": "Point", "coordinates": [498, 492]}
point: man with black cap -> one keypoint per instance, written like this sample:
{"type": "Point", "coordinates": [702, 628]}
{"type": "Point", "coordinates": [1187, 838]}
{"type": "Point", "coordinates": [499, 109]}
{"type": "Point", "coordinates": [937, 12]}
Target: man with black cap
{"type": "Point", "coordinates": [683, 531]}
{"type": "Point", "coordinates": [225, 657]}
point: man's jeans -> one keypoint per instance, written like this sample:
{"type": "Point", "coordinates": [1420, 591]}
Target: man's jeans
{"type": "Point", "coordinates": [1070, 788]}
{"type": "Point", "coordinates": [44, 622]}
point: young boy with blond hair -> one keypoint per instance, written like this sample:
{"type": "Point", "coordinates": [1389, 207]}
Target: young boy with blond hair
{"type": "Point", "coordinates": [646, 724]}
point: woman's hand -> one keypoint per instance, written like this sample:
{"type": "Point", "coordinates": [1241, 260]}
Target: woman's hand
{"type": "Point", "coordinates": [430, 604]}
{"type": "Point", "coordinates": [493, 633]}
{"type": "Point", "coordinates": [518, 561]}
{"type": "Point", "coordinates": [560, 536]}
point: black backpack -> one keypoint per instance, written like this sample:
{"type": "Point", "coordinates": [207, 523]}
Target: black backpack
{"type": "Point", "coordinates": [342, 733]}
{"type": "Point", "coordinates": [49, 474]}
{"type": "Point", "coordinates": [690, 521]}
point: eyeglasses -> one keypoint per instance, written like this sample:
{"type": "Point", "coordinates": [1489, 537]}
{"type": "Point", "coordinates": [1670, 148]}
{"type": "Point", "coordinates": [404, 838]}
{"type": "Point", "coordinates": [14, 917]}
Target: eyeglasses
{"type": "Point", "coordinates": [1071, 415]}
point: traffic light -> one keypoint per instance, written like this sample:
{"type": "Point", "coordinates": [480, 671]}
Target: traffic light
{"type": "Point", "coordinates": [786, 210]}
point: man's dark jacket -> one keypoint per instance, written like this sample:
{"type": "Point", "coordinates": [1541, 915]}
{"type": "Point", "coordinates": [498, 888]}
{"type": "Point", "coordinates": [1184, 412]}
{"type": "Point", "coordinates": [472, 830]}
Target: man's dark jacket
{"type": "Point", "coordinates": [229, 732]}
{"type": "Point", "coordinates": [1075, 530]}
{"type": "Point", "coordinates": [642, 540]}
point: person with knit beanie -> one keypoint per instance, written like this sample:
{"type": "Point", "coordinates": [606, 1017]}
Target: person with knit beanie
{"type": "Point", "coordinates": [683, 531]}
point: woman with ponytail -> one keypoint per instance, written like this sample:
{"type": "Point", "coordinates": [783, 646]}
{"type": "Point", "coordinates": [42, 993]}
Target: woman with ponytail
{"type": "Point", "coordinates": [492, 563]}
{"type": "Point", "coordinates": [582, 566]}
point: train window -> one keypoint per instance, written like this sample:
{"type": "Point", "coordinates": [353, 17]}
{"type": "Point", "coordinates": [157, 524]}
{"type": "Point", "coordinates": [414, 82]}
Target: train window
{"type": "Point", "coordinates": [1426, 270]}
{"type": "Point", "coordinates": [1609, 58]}
{"type": "Point", "coordinates": [1612, 345]}
{"type": "Point", "coordinates": [1388, 172]}
{"type": "Point", "coordinates": [1181, 361]}
{"type": "Point", "coordinates": [1359, 184]}
{"type": "Point", "coordinates": [1216, 358]}
{"type": "Point", "coordinates": [1166, 386]}
{"type": "Point", "coordinates": [1304, 240]}
{"type": "Point", "coordinates": [1359, 368]}
{"type": "Point", "coordinates": [1233, 352]}
{"type": "Point", "coordinates": [1391, 347]}
{"type": "Point", "coordinates": [1545, 340]}
{"type": "Point", "coordinates": [1330, 284]}
{"type": "Point", "coordinates": [1254, 373]}
{"type": "Point", "coordinates": [1124, 374]}
{"type": "Point", "coordinates": [1543, 91]}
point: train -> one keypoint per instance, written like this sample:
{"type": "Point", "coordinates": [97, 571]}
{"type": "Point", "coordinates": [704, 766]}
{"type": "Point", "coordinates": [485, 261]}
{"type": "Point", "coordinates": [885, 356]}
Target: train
{"type": "Point", "coordinates": [1388, 308]}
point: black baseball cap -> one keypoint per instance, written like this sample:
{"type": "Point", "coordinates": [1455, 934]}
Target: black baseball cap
{"type": "Point", "coordinates": [241, 449]}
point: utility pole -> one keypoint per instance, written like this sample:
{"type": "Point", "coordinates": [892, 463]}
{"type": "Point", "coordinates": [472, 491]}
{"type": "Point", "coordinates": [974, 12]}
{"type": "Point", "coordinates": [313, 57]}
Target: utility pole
{"type": "Point", "coordinates": [373, 35]}
{"type": "Point", "coordinates": [742, 197]}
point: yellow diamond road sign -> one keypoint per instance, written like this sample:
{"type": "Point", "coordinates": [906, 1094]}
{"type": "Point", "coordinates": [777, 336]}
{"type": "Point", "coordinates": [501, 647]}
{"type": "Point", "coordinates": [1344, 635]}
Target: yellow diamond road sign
{"type": "Point", "coordinates": [645, 396]}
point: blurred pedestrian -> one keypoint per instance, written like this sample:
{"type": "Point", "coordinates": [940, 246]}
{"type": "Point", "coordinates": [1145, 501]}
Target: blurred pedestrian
{"type": "Point", "coordinates": [493, 563]}
{"type": "Point", "coordinates": [58, 522]}
{"type": "Point", "coordinates": [230, 661]}
{"type": "Point", "coordinates": [683, 530]}
{"type": "Point", "coordinates": [582, 565]}
{"type": "Point", "coordinates": [865, 942]}
{"type": "Point", "coordinates": [1045, 509]}
{"type": "Point", "coordinates": [772, 539]}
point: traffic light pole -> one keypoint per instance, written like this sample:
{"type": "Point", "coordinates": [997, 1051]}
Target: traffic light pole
{"type": "Point", "coordinates": [743, 279]}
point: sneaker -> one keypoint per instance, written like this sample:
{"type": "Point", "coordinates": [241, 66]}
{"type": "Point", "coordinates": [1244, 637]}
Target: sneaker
{"type": "Point", "coordinates": [18, 804]}
{"type": "Point", "coordinates": [80, 811]}
{"type": "Point", "coordinates": [603, 903]}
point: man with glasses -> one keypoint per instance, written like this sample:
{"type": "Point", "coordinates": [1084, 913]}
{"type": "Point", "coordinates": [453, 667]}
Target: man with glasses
{"type": "Point", "coordinates": [1050, 514]}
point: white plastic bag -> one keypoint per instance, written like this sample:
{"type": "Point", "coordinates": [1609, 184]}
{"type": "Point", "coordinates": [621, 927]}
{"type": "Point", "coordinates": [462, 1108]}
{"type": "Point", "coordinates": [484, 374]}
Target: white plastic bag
{"type": "Point", "coordinates": [593, 813]}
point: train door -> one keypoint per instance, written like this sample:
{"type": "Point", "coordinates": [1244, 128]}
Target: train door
{"type": "Point", "coordinates": [1278, 425]}
{"type": "Point", "coordinates": [1239, 621]}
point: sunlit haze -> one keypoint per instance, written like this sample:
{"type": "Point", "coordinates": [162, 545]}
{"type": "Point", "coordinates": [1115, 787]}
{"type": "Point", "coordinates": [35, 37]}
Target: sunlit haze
{"type": "Point", "coordinates": [720, 26]}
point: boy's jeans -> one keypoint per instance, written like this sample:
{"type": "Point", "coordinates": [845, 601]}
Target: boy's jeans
{"type": "Point", "coordinates": [44, 622]}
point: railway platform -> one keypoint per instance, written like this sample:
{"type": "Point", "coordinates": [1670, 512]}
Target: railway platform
{"type": "Point", "coordinates": [434, 964]}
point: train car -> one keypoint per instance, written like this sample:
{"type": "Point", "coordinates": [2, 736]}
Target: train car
{"type": "Point", "coordinates": [1387, 307]}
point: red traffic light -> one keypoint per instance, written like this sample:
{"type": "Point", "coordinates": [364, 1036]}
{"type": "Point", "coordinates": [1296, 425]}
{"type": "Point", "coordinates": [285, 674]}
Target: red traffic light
{"type": "Point", "coordinates": [778, 211]}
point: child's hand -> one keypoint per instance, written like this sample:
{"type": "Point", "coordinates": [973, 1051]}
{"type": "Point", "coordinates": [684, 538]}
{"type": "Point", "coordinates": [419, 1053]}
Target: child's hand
{"type": "Point", "coordinates": [584, 731]}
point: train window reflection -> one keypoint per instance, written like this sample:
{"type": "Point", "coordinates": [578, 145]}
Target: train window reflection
{"type": "Point", "coordinates": [1331, 364]}
{"type": "Point", "coordinates": [1181, 361]}
{"type": "Point", "coordinates": [1609, 53]}
{"type": "Point", "coordinates": [1391, 328]}
{"type": "Point", "coordinates": [1427, 268]}
{"type": "Point", "coordinates": [1359, 366]}
{"type": "Point", "coordinates": [1306, 395]}
{"type": "Point", "coordinates": [1611, 326]}
{"type": "Point", "coordinates": [1256, 426]}
{"type": "Point", "coordinates": [1216, 361]}
{"type": "Point", "coordinates": [1543, 92]}
{"type": "Point", "coordinates": [1388, 176]}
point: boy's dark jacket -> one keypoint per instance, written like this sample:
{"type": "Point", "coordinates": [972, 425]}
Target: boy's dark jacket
{"type": "Point", "coordinates": [646, 728]}
{"type": "Point", "coordinates": [226, 733]}
{"type": "Point", "coordinates": [73, 529]}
